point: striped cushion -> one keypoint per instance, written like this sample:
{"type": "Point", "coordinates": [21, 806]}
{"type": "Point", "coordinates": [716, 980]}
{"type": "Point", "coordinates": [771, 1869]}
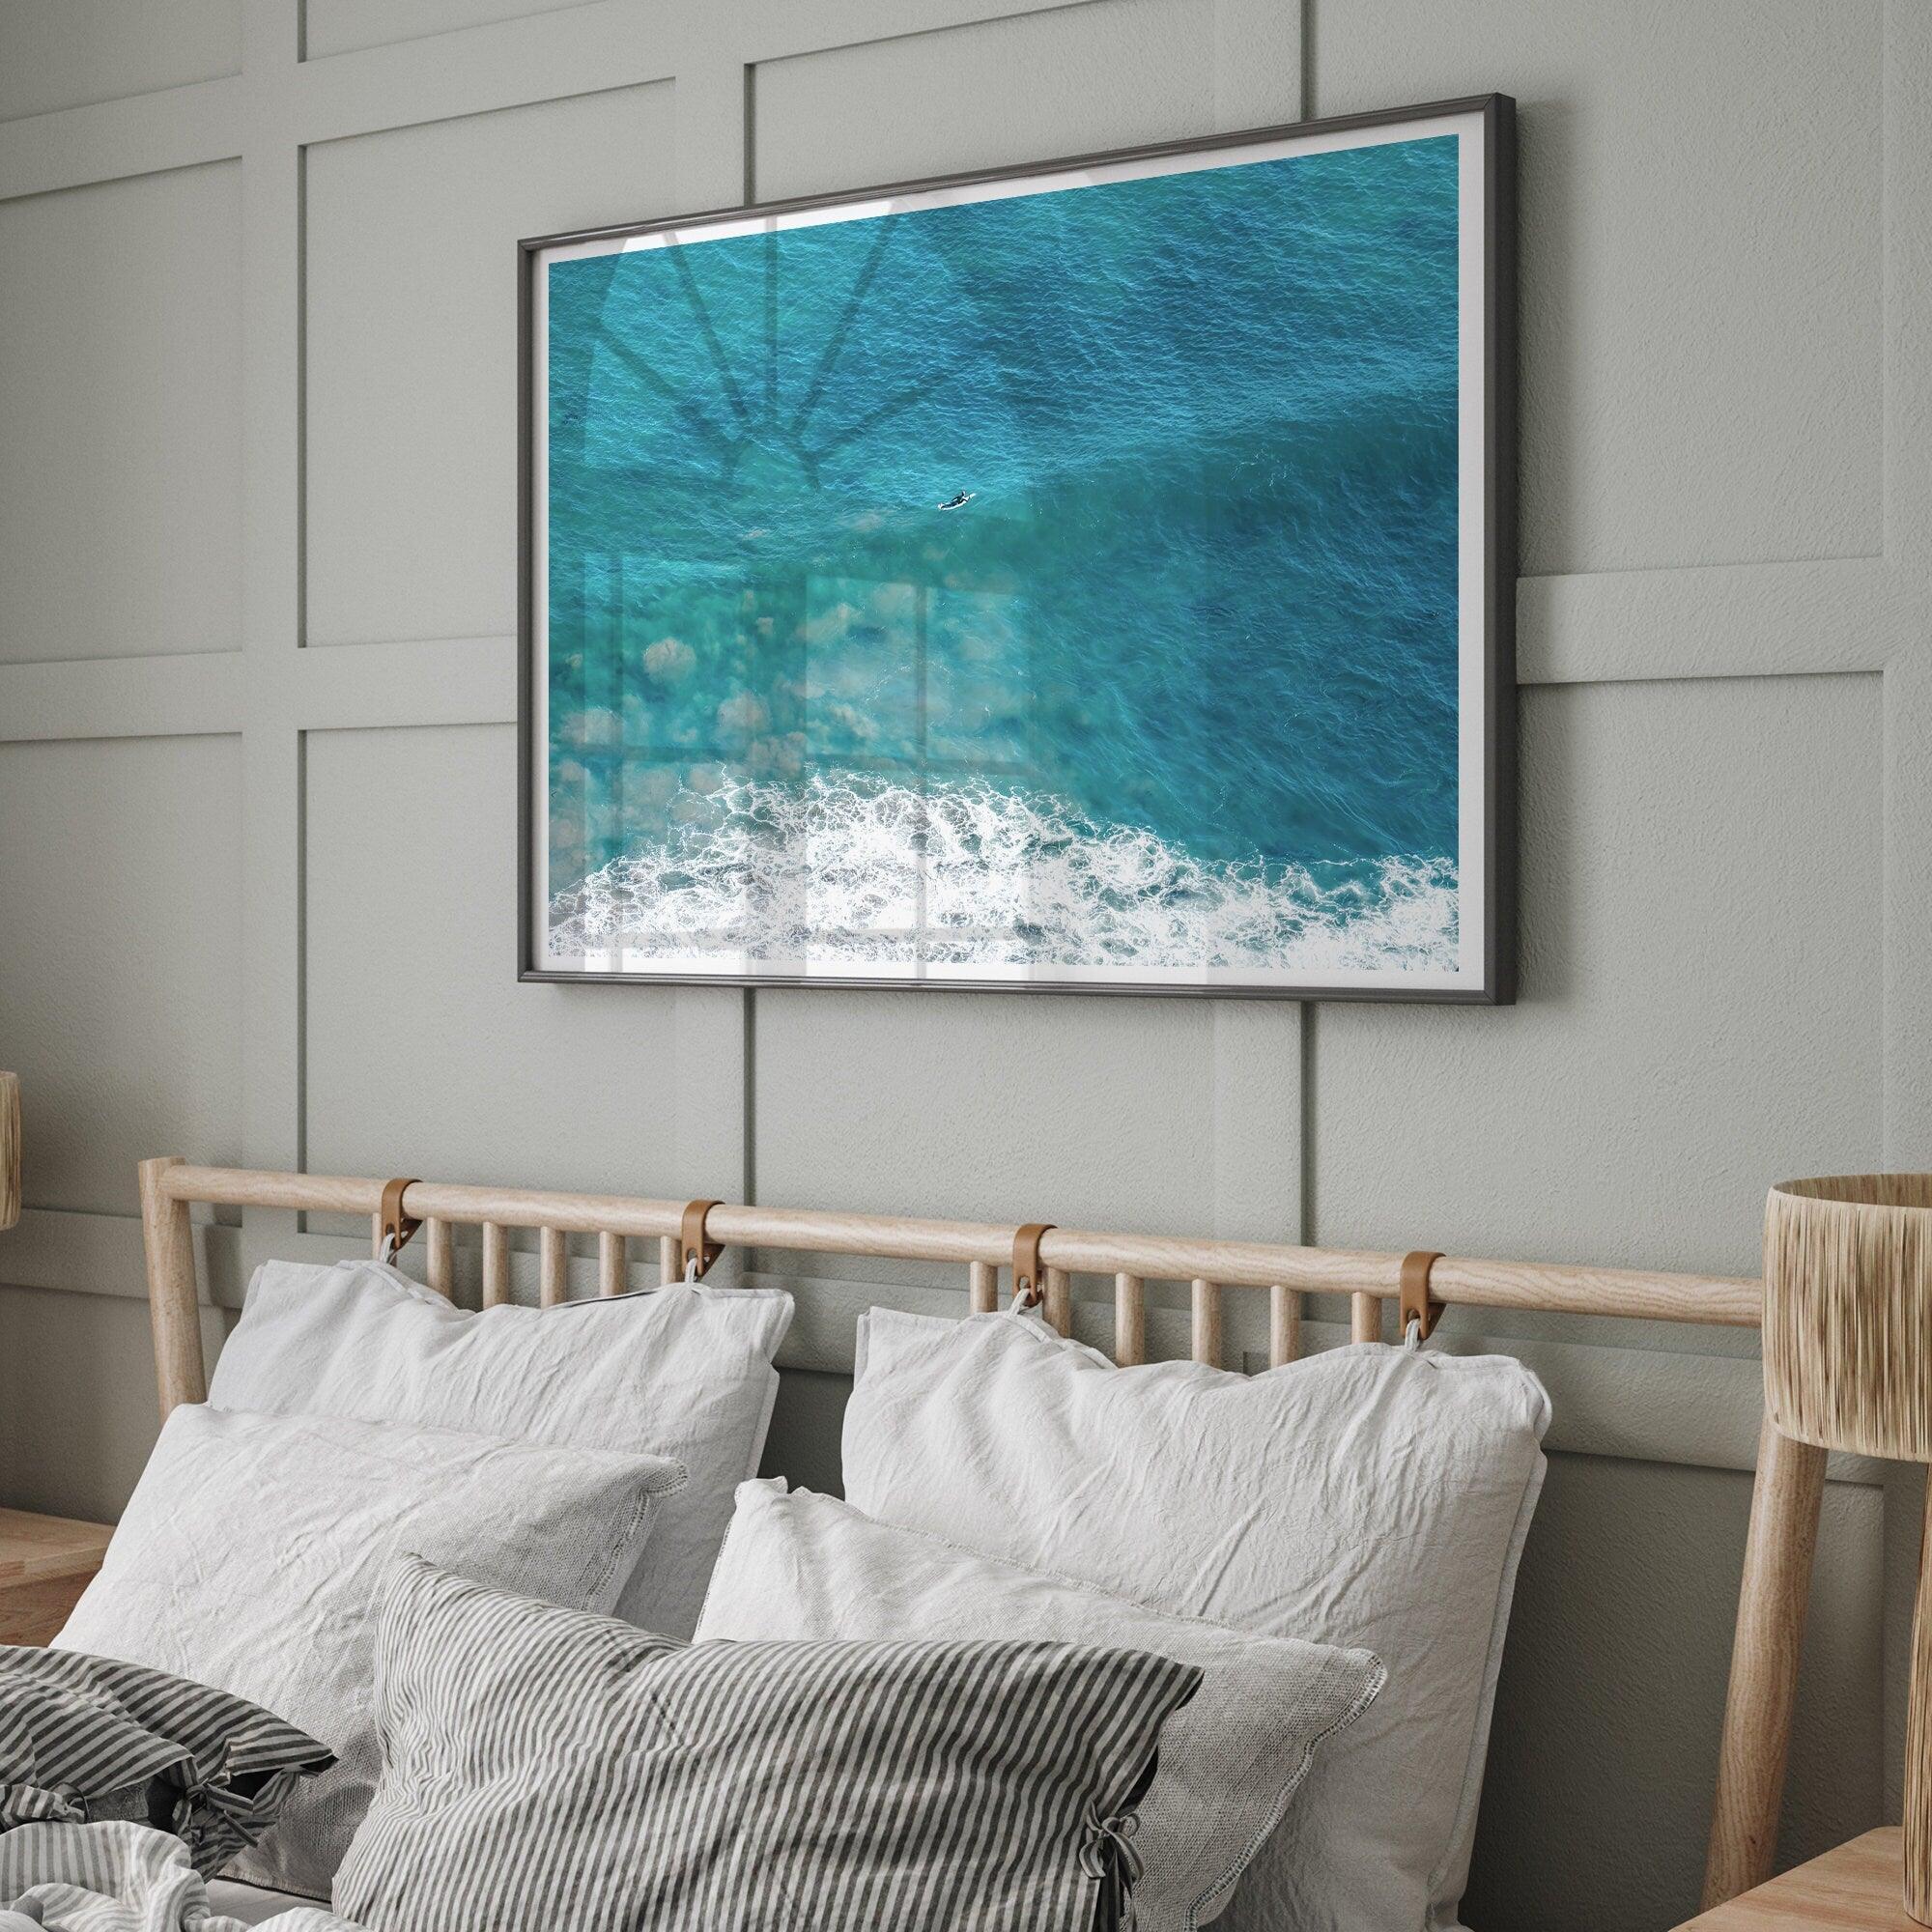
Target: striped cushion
{"type": "Point", "coordinates": [545, 1767]}
{"type": "Point", "coordinates": [84, 1738]}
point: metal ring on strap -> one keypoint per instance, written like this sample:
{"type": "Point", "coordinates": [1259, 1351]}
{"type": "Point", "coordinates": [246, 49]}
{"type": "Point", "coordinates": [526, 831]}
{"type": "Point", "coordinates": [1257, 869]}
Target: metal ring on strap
{"type": "Point", "coordinates": [1029, 1278]}
{"type": "Point", "coordinates": [395, 1225]}
{"type": "Point", "coordinates": [1417, 1304]}
{"type": "Point", "coordinates": [695, 1248]}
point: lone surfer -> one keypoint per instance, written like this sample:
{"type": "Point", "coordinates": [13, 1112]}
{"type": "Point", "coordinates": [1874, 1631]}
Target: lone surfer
{"type": "Point", "coordinates": [964, 497]}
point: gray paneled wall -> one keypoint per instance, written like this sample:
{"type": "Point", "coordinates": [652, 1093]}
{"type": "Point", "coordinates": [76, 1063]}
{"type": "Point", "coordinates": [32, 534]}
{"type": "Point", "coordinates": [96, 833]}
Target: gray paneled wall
{"type": "Point", "coordinates": [257, 825]}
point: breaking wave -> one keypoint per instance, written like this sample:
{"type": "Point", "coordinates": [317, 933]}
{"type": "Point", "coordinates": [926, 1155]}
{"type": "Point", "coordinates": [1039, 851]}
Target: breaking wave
{"type": "Point", "coordinates": [844, 869]}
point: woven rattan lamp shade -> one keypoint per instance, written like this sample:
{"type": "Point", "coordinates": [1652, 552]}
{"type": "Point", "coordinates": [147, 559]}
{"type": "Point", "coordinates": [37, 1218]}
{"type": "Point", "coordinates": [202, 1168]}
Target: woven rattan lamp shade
{"type": "Point", "coordinates": [10, 1148]}
{"type": "Point", "coordinates": [1848, 1313]}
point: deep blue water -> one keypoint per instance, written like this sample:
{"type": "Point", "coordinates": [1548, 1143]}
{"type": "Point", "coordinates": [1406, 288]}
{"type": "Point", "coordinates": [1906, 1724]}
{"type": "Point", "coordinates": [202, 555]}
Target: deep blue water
{"type": "Point", "coordinates": [1176, 686]}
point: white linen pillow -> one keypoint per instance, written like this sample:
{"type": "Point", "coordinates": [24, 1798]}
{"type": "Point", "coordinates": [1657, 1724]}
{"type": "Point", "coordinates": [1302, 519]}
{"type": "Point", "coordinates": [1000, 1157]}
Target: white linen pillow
{"type": "Point", "coordinates": [684, 1371]}
{"type": "Point", "coordinates": [1373, 1496]}
{"type": "Point", "coordinates": [801, 1566]}
{"type": "Point", "coordinates": [252, 1554]}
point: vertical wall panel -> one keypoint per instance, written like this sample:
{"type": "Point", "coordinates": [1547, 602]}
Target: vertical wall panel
{"type": "Point", "coordinates": [1701, 994]}
{"type": "Point", "coordinates": [1702, 350]}
{"type": "Point", "coordinates": [120, 417]}
{"type": "Point", "coordinates": [1086, 1111]}
{"type": "Point", "coordinates": [120, 959]}
{"type": "Point", "coordinates": [78, 1410]}
{"type": "Point", "coordinates": [424, 1053]}
{"type": "Point", "coordinates": [411, 287]}
{"type": "Point", "coordinates": [68, 53]}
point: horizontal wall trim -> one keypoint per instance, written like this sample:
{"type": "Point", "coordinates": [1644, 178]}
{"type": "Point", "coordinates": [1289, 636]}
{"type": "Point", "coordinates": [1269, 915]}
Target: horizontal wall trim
{"type": "Point", "coordinates": [141, 134]}
{"type": "Point", "coordinates": [452, 92]}
{"type": "Point", "coordinates": [1718, 620]}
{"type": "Point", "coordinates": [185, 695]}
{"type": "Point", "coordinates": [773, 31]}
{"type": "Point", "coordinates": [438, 681]}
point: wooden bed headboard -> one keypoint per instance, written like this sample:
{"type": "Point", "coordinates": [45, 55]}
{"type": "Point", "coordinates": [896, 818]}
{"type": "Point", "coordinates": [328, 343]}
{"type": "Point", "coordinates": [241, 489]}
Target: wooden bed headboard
{"type": "Point", "coordinates": [1785, 1498]}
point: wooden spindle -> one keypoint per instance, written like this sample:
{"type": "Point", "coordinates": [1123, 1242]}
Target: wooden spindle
{"type": "Point", "coordinates": [1283, 1326]}
{"type": "Point", "coordinates": [495, 1264]}
{"type": "Point", "coordinates": [1207, 1323]}
{"type": "Point", "coordinates": [982, 1287]}
{"type": "Point", "coordinates": [1365, 1318]}
{"type": "Point", "coordinates": [610, 1276]}
{"type": "Point", "coordinates": [553, 1266]}
{"type": "Point", "coordinates": [375, 1236]}
{"type": "Point", "coordinates": [1129, 1321]}
{"type": "Point", "coordinates": [441, 1239]}
{"type": "Point", "coordinates": [10, 1150]}
{"type": "Point", "coordinates": [668, 1269]}
{"type": "Point", "coordinates": [1060, 1300]}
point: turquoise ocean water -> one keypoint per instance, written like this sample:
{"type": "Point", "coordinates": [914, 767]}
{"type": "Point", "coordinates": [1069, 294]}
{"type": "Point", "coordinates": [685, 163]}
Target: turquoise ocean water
{"type": "Point", "coordinates": [1174, 686]}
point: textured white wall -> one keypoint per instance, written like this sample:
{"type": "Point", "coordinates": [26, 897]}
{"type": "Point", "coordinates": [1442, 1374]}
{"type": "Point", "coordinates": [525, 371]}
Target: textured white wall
{"type": "Point", "coordinates": [257, 821]}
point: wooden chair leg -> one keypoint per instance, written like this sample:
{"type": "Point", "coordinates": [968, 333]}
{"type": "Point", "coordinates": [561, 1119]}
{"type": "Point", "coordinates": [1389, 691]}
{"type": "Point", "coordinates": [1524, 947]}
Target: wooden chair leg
{"type": "Point", "coordinates": [1784, 1538]}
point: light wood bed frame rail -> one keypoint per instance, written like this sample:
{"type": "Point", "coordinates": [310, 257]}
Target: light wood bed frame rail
{"type": "Point", "coordinates": [1785, 1498]}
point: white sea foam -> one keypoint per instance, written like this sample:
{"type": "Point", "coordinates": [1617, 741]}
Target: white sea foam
{"type": "Point", "coordinates": [851, 870]}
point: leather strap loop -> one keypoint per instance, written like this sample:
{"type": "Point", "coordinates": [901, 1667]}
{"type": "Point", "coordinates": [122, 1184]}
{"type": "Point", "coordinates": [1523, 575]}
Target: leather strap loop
{"type": "Point", "coordinates": [396, 1226]}
{"type": "Point", "coordinates": [694, 1246]}
{"type": "Point", "coordinates": [1029, 1278]}
{"type": "Point", "coordinates": [1417, 1304]}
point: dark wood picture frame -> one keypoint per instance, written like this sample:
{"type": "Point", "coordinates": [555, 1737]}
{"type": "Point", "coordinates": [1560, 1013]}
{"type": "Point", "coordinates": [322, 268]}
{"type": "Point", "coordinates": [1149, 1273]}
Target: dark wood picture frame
{"type": "Point", "coordinates": [1498, 294]}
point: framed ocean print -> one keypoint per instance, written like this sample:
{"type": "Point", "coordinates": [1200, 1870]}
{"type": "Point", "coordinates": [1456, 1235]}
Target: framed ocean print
{"type": "Point", "coordinates": [1095, 576]}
